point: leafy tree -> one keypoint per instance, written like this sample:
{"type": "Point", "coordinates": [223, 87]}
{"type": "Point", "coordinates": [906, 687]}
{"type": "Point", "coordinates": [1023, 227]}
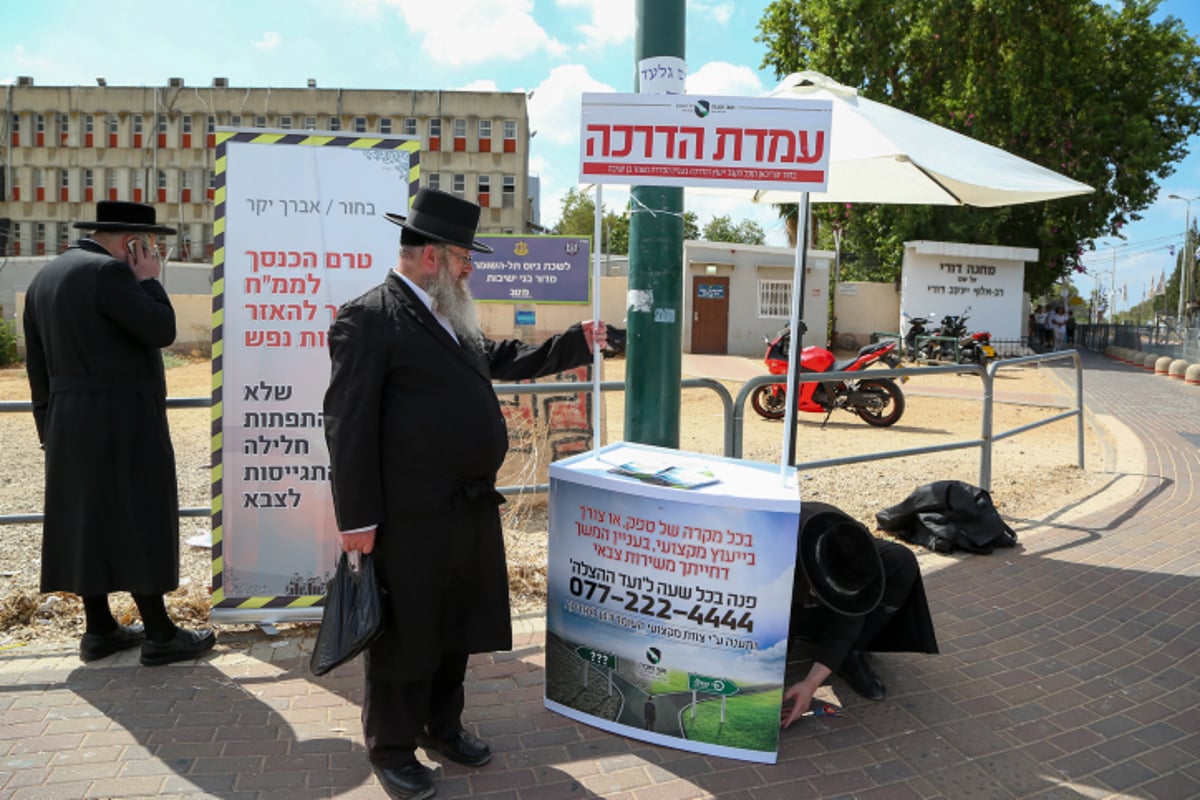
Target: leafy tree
{"type": "Point", "coordinates": [722, 229]}
{"type": "Point", "coordinates": [579, 219]}
{"type": "Point", "coordinates": [1101, 94]}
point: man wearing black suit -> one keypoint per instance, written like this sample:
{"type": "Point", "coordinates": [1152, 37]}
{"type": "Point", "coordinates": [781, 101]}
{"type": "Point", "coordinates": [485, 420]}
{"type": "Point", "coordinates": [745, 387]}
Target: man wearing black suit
{"type": "Point", "coordinates": [95, 318]}
{"type": "Point", "coordinates": [416, 437]}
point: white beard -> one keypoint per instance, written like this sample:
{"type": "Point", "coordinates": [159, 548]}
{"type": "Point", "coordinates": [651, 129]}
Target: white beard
{"type": "Point", "coordinates": [452, 299]}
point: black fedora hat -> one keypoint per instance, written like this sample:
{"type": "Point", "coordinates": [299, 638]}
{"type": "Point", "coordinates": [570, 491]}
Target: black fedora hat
{"type": "Point", "coordinates": [114, 215]}
{"type": "Point", "coordinates": [838, 558]}
{"type": "Point", "coordinates": [440, 217]}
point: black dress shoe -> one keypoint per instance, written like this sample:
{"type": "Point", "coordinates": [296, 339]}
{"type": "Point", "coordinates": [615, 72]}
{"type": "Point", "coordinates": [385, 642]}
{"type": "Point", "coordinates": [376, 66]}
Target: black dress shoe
{"type": "Point", "coordinates": [861, 678]}
{"type": "Point", "coordinates": [413, 781]}
{"type": "Point", "coordinates": [184, 646]}
{"type": "Point", "coordinates": [461, 747]}
{"type": "Point", "coordinates": [94, 646]}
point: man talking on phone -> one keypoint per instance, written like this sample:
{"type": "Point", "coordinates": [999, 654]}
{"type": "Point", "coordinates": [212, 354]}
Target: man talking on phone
{"type": "Point", "coordinates": [95, 321]}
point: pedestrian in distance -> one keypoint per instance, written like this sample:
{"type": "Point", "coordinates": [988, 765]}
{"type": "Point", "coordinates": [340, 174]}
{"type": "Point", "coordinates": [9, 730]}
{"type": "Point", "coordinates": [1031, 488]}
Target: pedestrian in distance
{"type": "Point", "coordinates": [95, 321]}
{"type": "Point", "coordinates": [416, 437]}
{"type": "Point", "coordinates": [649, 712]}
{"type": "Point", "coordinates": [853, 594]}
{"type": "Point", "coordinates": [1057, 321]}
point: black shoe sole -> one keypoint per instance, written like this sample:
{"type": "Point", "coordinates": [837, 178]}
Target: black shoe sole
{"type": "Point", "coordinates": [430, 743]}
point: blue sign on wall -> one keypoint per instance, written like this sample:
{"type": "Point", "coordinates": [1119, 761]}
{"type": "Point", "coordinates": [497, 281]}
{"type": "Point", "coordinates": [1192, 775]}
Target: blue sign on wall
{"type": "Point", "coordinates": [526, 317]}
{"type": "Point", "coordinates": [532, 269]}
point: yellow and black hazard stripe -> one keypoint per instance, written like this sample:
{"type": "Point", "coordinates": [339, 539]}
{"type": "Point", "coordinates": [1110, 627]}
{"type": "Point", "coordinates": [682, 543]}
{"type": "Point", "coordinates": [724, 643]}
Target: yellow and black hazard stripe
{"type": "Point", "coordinates": [223, 138]}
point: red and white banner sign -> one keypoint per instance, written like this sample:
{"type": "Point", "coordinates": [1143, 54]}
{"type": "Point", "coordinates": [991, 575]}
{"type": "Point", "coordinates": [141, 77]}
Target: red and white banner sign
{"type": "Point", "coordinates": [693, 140]}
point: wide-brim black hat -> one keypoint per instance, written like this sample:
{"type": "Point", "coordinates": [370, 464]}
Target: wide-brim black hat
{"type": "Point", "coordinates": [441, 217]}
{"type": "Point", "coordinates": [839, 560]}
{"type": "Point", "coordinates": [116, 215]}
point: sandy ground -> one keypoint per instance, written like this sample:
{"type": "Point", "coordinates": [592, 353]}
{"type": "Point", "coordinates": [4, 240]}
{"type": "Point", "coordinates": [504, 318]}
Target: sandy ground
{"type": "Point", "coordinates": [1034, 475]}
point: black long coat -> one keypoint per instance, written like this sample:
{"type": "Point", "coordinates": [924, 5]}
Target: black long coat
{"type": "Point", "coordinates": [93, 335]}
{"type": "Point", "coordinates": [416, 437]}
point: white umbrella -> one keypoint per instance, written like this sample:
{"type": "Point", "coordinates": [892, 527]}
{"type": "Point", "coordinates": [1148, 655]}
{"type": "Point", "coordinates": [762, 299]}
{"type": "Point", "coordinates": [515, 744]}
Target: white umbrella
{"type": "Point", "coordinates": [880, 154]}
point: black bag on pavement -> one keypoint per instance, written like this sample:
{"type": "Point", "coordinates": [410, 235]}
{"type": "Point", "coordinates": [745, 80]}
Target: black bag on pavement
{"type": "Point", "coordinates": [352, 617]}
{"type": "Point", "coordinates": [948, 515]}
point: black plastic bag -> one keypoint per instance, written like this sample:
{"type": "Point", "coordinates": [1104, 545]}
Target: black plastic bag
{"type": "Point", "coordinates": [352, 618]}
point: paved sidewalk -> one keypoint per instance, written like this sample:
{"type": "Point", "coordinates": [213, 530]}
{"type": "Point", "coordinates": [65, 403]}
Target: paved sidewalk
{"type": "Point", "coordinates": [1068, 670]}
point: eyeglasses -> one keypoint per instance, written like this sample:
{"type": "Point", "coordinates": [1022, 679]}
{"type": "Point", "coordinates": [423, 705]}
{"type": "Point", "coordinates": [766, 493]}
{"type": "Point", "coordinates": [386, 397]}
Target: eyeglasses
{"type": "Point", "coordinates": [465, 261]}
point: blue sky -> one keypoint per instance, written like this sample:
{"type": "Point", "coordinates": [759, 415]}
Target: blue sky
{"type": "Point", "coordinates": [555, 49]}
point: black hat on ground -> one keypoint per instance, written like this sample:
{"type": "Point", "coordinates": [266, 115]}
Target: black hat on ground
{"type": "Point", "coordinates": [114, 215]}
{"type": "Point", "coordinates": [839, 559]}
{"type": "Point", "coordinates": [440, 217]}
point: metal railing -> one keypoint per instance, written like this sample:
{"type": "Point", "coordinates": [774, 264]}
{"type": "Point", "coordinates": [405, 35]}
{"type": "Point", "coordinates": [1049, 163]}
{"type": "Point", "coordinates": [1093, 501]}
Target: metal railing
{"type": "Point", "coordinates": [734, 416]}
{"type": "Point", "coordinates": [987, 436]}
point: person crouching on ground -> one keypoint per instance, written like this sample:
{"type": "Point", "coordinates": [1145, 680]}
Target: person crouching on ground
{"type": "Point", "coordinates": [853, 594]}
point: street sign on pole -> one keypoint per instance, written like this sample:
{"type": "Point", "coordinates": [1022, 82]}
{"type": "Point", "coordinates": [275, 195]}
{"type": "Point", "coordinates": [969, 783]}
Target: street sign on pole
{"type": "Point", "coordinates": [702, 683]}
{"type": "Point", "coordinates": [597, 658]}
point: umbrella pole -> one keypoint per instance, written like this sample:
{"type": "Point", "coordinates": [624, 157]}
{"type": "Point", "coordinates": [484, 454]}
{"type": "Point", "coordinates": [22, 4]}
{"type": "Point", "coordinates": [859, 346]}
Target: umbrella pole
{"type": "Point", "coordinates": [797, 328]}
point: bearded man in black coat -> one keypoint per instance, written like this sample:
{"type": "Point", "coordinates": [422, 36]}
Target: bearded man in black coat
{"type": "Point", "coordinates": [416, 437]}
{"type": "Point", "coordinates": [95, 318]}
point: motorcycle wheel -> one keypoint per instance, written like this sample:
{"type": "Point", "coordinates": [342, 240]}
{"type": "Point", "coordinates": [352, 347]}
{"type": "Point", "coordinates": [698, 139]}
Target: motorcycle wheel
{"type": "Point", "coordinates": [890, 406]}
{"type": "Point", "coordinates": [769, 401]}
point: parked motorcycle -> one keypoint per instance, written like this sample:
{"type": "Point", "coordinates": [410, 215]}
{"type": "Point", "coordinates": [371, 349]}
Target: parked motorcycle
{"type": "Point", "coordinates": [972, 348]}
{"type": "Point", "coordinates": [877, 401]}
{"type": "Point", "coordinates": [914, 350]}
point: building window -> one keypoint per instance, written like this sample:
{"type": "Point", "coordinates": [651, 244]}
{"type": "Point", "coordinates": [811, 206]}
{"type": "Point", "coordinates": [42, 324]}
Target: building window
{"type": "Point", "coordinates": [310, 123]}
{"type": "Point", "coordinates": [485, 191]}
{"type": "Point", "coordinates": [39, 130]}
{"type": "Point", "coordinates": [260, 121]}
{"type": "Point", "coordinates": [139, 190]}
{"type": "Point", "coordinates": [335, 123]}
{"type": "Point", "coordinates": [112, 184]}
{"type": "Point", "coordinates": [185, 130]}
{"type": "Point", "coordinates": [385, 124]}
{"type": "Point", "coordinates": [285, 123]}
{"type": "Point", "coordinates": [210, 130]}
{"type": "Point", "coordinates": [89, 185]}
{"type": "Point", "coordinates": [508, 190]}
{"type": "Point", "coordinates": [15, 247]}
{"type": "Point", "coordinates": [39, 238]}
{"type": "Point", "coordinates": [161, 126]}
{"type": "Point", "coordinates": [64, 237]}
{"type": "Point", "coordinates": [459, 184]}
{"type": "Point", "coordinates": [64, 185]}
{"type": "Point", "coordinates": [138, 130]}
{"type": "Point", "coordinates": [774, 298]}
{"type": "Point", "coordinates": [360, 124]}
{"type": "Point", "coordinates": [510, 136]}
{"type": "Point", "coordinates": [212, 184]}
{"type": "Point", "coordinates": [64, 128]}
{"type": "Point", "coordinates": [114, 126]}
{"type": "Point", "coordinates": [162, 186]}
{"type": "Point", "coordinates": [435, 133]}
{"type": "Point", "coordinates": [485, 136]}
{"type": "Point", "coordinates": [460, 135]}
{"type": "Point", "coordinates": [39, 185]}
{"type": "Point", "coordinates": [16, 130]}
{"type": "Point", "coordinates": [409, 126]}
{"type": "Point", "coordinates": [235, 120]}
{"type": "Point", "coordinates": [434, 180]}
{"type": "Point", "coordinates": [185, 186]}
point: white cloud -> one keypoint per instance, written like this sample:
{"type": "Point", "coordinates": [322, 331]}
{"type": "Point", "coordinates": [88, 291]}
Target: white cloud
{"type": "Point", "coordinates": [720, 13]}
{"type": "Point", "coordinates": [555, 106]}
{"type": "Point", "coordinates": [268, 41]}
{"type": "Point", "coordinates": [609, 22]}
{"type": "Point", "coordinates": [481, 85]}
{"type": "Point", "coordinates": [723, 78]}
{"type": "Point", "coordinates": [465, 32]}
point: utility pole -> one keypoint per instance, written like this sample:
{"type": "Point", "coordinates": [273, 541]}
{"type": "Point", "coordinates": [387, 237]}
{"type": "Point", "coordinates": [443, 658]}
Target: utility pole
{"type": "Point", "coordinates": [1188, 268]}
{"type": "Point", "coordinates": [653, 359]}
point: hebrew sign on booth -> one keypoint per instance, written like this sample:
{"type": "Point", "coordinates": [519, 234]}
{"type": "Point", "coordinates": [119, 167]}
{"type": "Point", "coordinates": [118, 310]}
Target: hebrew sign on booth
{"type": "Point", "coordinates": [693, 140]}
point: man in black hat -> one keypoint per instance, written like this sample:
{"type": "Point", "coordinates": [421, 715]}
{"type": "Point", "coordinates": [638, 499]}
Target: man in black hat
{"type": "Point", "coordinates": [95, 320]}
{"type": "Point", "coordinates": [853, 593]}
{"type": "Point", "coordinates": [416, 437]}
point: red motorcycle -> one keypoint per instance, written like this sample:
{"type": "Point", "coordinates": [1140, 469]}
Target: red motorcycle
{"type": "Point", "coordinates": [877, 401]}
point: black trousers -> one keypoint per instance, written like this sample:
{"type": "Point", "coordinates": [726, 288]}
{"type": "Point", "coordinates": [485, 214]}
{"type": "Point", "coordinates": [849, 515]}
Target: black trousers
{"type": "Point", "coordinates": [395, 713]}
